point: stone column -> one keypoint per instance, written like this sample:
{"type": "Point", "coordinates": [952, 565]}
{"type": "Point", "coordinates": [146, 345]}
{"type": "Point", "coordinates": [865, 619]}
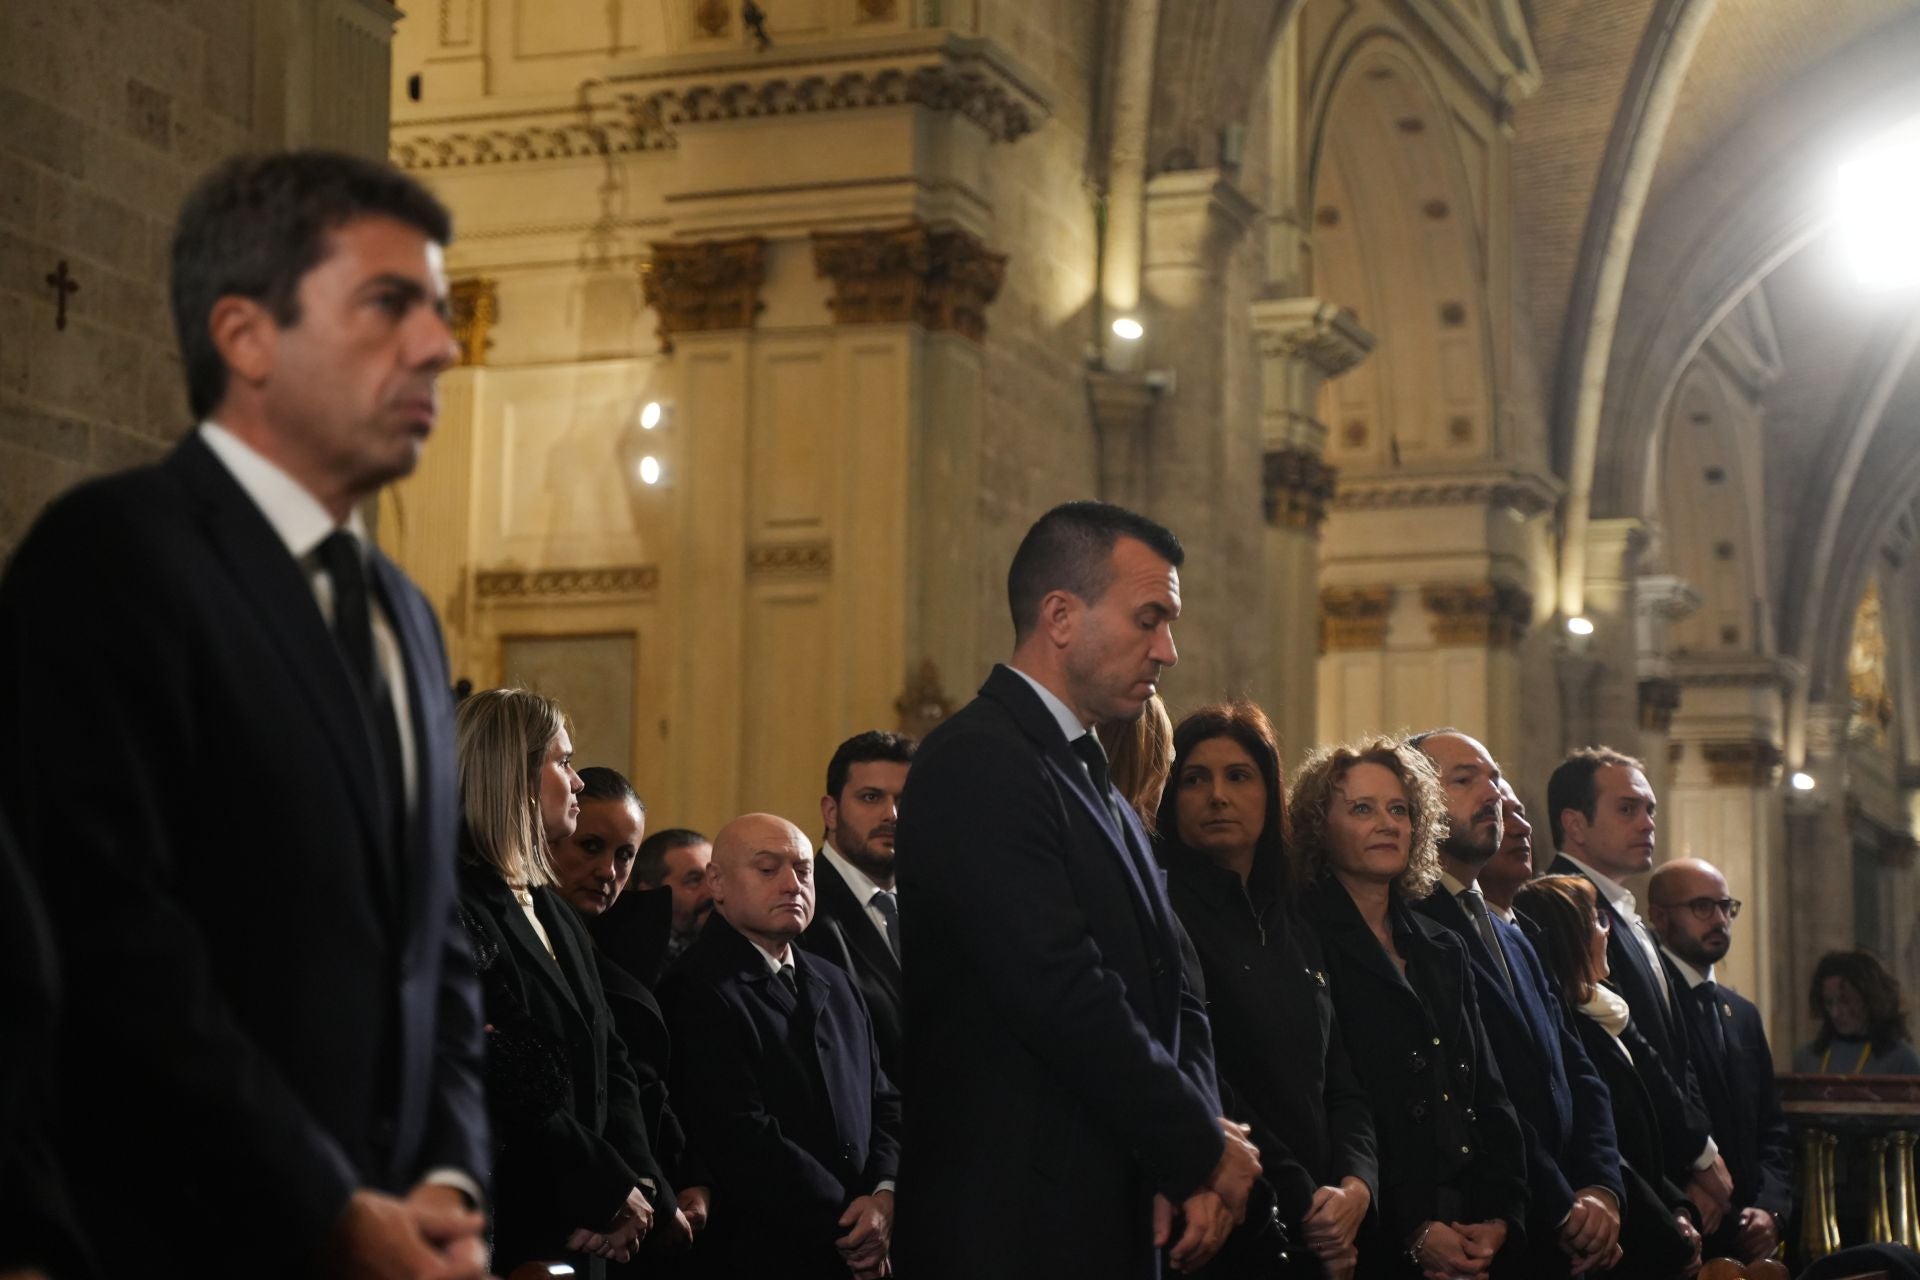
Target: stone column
{"type": "Point", "coordinates": [1303, 342]}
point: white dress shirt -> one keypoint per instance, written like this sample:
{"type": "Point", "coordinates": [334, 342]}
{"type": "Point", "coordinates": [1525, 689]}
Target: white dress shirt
{"type": "Point", "coordinates": [862, 885]}
{"type": "Point", "coordinates": [1072, 727]}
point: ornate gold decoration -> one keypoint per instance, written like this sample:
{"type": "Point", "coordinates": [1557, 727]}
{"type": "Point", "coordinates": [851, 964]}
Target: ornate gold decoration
{"type": "Point", "coordinates": [790, 557]}
{"type": "Point", "coordinates": [705, 285]}
{"type": "Point", "coordinates": [1521, 491]}
{"type": "Point", "coordinates": [1495, 614]}
{"type": "Point", "coordinates": [475, 306]}
{"type": "Point", "coordinates": [1659, 699]}
{"type": "Point", "coordinates": [1872, 704]}
{"type": "Point", "coordinates": [1295, 488]}
{"type": "Point", "coordinates": [713, 16]}
{"type": "Point", "coordinates": [943, 279]}
{"type": "Point", "coordinates": [924, 704]}
{"type": "Point", "coordinates": [1354, 617]}
{"type": "Point", "coordinates": [465, 144]}
{"type": "Point", "coordinates": [556, 584]}
{"type": "Point", "coordinates": [1752, 762]}
{"type": "Point", "coordinates": [948, 86]}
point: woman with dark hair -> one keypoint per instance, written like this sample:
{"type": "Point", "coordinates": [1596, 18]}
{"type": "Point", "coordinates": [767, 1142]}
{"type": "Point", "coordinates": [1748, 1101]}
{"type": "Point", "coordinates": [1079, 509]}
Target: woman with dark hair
{"type": "Point", "coordinates": [571, 1153]}
{"type": "Point", "coordinates": [1658, 1237]}
{"type": "Point", "coordinates": [1863, 1025]}
{"type": "Point", "coordinates": [1281, 1064]}
{"type": "Point", "coordinates": [1366, 827]}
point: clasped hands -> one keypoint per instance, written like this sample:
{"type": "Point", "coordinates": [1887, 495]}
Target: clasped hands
{"type": "Point", "coordinates": [432, 1234]}
{"type": "Point", "coordinates": [1332, 1221]}
{"type": "Point", "coordinates": [1212, 1212]}
{"type": "Point", "coordinates": [621, 1236]}
{"type": "Point", "coordinates": [1591, 1231]}
{"type": "Point", "coordinates": [865, 1246]}
{"type": "Point", "coordinates": [1456, 1250]}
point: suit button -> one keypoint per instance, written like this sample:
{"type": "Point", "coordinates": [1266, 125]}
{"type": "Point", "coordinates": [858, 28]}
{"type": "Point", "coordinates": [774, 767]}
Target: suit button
{"type": "Point", "coordinates": [1446, 1097]}
{"type": "Point", "coordinates": [1418, 1063]}
{"type": "Point", "coordinates": [1471, 1116]}
{"type": "Point", "coordinates": [1463, 1068]}
{"type": "Point", "coordinates": [1418, 1110]}
{"type": "Point", "coordinates": [1466, 1150]}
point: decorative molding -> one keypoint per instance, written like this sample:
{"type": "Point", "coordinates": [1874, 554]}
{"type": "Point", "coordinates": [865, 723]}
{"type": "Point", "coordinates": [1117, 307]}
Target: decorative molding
{"type": "Point", "coordinates": [1354, 618]}
{"type": "Point", "coordinates": [1752, 762]}
{"type": "Point", "coordinates": [940, 278]}
{"type": "Point", "coordinates": [1519, 491]}
{"type": "Point", "coordinates": [1659, 699]}
{"type": "Point", "coordinates": [459, 145]}
{"type": "Point", "coordinates": [704, 285]}
{"type": "Point", "coordinates": [1491, 614]}
{"type": "Point", "coordinates": [924, 704]}
{"type": "Point", "coordinates": [476, 305]}
{"type": "Point", "coordinates": [629, 581]}
{"type": "Point", "coordinates": [1326, 336]}
{"type": "Point", "coordinates": [1295, 487]}
{"type": "Point", "coordinates": [790, 558]}
{"type": "Point", "coordinates": [1754, 670]}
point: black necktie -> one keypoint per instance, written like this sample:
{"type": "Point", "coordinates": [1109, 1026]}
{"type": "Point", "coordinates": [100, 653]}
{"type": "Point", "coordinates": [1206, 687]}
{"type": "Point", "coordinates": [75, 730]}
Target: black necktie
{"type": "Point", "coordinates": [883, 902]}
{"type": "Point", "coordinates": [1706, 999]}
{"type": "Point", "coordinates": [1476, 909]}
{"type": "Point", "coordinates": [791, 983]}
{"type": "Point", "coordinates": [339, 556]}
{"type": "Point", "coordinates": [1087, 747]}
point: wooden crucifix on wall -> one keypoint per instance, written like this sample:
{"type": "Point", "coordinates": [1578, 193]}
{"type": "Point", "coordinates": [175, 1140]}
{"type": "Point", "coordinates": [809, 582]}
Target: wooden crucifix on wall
{"type": "Point", "coordinates": [64, 287]}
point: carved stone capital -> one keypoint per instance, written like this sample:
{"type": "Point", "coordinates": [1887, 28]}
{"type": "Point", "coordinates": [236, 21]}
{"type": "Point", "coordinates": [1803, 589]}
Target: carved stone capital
{"type": "Point", "coordinates": [1493, 614]}
{"type": "Point", "coordinates": [705, 285]}
{"type": "Point", "coordinates": [1354, 618]}
{"type": "Point", "coordinates": [623, 582]}
{"type": "Point", "coordinates": [924, 704]}
{"type": "Point", "coordinates": [941, 278]}
{"type": "Point", "coordinates": [1659, 699]}
{"type": "Point", "coordinates": [1296, 485]}
{"type": "Point", "coordinates": [1327, 337]}
{"type": "Point", "coordinates": [1752, 762]}
{"type": "Point", "coordinates": [476, 306]}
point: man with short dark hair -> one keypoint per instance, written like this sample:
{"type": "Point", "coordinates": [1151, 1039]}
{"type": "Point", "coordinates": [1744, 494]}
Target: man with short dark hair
{"type": "Point", "coordinates": [1573, 1159]}
{"type": "Point", "coordinates": [857, 924]}
{"type": "Point", "coordinates": [677, 859]}
{"type": "Point", "coordinates": [1693, 913]}
{"type": "Point", "coordinates": [1060, 1076]}
{"type": "Point", "coordinates": [1600, 809]}
{"type": "Point", "coordinates": [272, 1064]}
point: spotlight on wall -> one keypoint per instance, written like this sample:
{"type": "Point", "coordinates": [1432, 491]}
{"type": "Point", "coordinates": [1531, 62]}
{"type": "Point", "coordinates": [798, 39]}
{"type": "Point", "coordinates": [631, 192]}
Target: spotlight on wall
{"type": "Point", "coordinates": [1578, 626]}
{"type": "Point", "coordinates": [651, 414]}
{"type": "Point", "coordinates": [649, 470]}
{"type": "Point", "coordinates": [1127, 329]}
{"type": "Point", "coordinates": [1876, 206]}
{"type": "Point", "coordinates": [1802, 781]}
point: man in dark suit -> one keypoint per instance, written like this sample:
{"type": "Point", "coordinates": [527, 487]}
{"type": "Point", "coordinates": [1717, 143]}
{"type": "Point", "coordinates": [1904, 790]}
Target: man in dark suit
{"type": "Point", "coordinates": [856, 922]}
{"type": "Point", "coordinates": [777, 1076]}
{"type": "Point", "coordinates": [1600, 809]}
{"type": "Point", "coordinates": [1694, 914]}
{"type": "Point", "coordinates": [274, 1061]}
{"type": "Point", "coordinates": [1059, 1070]}
{"type": "Point", "coordinates": [1573, 1164]}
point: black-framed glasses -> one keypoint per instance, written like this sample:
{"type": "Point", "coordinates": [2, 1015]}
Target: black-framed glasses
{"type": "Point", "coordinates": [1704, 908]}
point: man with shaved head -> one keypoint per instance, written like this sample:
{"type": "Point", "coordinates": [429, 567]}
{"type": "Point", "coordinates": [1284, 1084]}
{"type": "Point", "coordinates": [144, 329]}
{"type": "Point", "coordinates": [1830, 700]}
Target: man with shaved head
{"type": "Point", "coordinates": [776, 1074]}
{"type": "Point", "coordinates": [1693, 913]}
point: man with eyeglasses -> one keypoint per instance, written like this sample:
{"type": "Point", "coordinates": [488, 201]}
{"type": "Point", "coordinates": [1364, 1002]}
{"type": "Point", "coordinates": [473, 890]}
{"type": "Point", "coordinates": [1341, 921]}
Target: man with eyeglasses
{"type": "Point", "coordinates": [1693, 914]}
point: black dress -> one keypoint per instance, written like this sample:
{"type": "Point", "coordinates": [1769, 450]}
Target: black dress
{"type": "Point", "coordinates": [1450, 1147]}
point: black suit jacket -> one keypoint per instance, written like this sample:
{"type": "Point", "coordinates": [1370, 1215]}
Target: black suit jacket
{"type": "Point", "coordinates": [1059, 1069]}
{"type": "Point", "coordinates": [1736, 1070]}
{"type": "Point", "coordinates": [642, 1025]}
{"type": "Point", "coordinates": [1556, 1091]}
{"type": "Point", "coordinates": [278, 1004]}
{"type": "Point", "coordinates": [1450, 1145]}
{"type": "Point", "coordinates": [1653, 1246]}
{"type": "Point", "coordinates": [844, 933]}
{"type": "Point", "coordinates": [566, 1155]}
{"type": "Point", "coordinates": [1661, 1026]}
{"type": "Point", "coordinates": [783, 1097]}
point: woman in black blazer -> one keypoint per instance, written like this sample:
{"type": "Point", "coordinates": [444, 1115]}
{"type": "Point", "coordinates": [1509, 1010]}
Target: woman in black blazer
{"type": "Point", "coordinates": [1658, 1237]}
{"type": "Point", "coordinates": [1282, 1066]}
{"type": "Point", "coordinates": [1367, 822]}
{"type": "Point", "coordinates": [572, 1159]}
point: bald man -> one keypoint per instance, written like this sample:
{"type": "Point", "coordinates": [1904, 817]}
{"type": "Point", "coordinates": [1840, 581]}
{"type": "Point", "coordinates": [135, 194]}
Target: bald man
{"type": "Point", "coordinates": [1693, 914]}
{"type": "Point", "coordinates": [776, 1075]}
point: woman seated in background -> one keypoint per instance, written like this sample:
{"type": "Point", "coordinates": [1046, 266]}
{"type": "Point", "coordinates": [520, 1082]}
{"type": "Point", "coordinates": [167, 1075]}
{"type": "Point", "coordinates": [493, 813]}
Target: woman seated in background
{"type": "Point", "coordinates": [1452, 1181]}
{"type": "Point", "coordinates": [1658, 1237]}
{"type": "Point", "coordinates": [1139, 754]}
{"type": "Point", "coordinates": [1282, 1066]}
{"type": "Point", "coordinates": [1863, 1026]}
{"type": "Point", "coordinates": [571, 1155]}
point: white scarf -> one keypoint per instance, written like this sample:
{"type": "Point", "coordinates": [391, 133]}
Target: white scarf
{"type": "Point", "coordinates": [1609, 1009]}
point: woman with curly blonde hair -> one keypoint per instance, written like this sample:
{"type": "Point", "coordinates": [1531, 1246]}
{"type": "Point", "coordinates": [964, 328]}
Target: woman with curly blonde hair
{"type": "Point", "coordinates": [1367, 821]}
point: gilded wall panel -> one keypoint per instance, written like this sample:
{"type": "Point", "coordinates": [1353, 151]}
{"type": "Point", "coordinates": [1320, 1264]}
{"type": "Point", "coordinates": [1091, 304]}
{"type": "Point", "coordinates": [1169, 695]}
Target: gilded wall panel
{"type": "Point", "coordinates": [791, 442]}
{"type": "Point", "coordinates": [790, 716]}
{"type": "Point", "coordinates": [592, 678]}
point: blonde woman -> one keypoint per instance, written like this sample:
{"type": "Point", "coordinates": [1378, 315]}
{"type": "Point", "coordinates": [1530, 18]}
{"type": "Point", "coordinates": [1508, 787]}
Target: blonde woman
{"type": "Point", "coordinates": [572, 1167]}
{"type": "Point", "coordinates": [1367, 820]}
{"type": "Point", "coordinates": [1139, 757]}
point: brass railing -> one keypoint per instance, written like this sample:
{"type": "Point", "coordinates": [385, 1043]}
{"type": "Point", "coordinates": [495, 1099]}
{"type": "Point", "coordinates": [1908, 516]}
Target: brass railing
{"type": "Point", "coordinates": [1865, 1125]}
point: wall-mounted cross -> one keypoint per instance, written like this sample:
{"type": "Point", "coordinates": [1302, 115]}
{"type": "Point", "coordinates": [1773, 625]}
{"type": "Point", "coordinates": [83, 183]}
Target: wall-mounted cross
{"type": "Point", "coordinates": [65, 286]}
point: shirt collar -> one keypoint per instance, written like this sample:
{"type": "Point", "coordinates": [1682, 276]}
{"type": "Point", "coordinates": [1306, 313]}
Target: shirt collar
{"type": "Point", "coordinates": [776, 962]}
{"type": "Point", "coordinates": [1455, 887]}
{"type": "Point", "coordinates": [857, 880]}
{"type": "Point", "coordinates": [1070, 724]}
{"type": "Point", "coordinates": [295, 514]}
{"type": "Point", "coordinates": [1618, 896]}
{"type": "Point", "coordinates": [1693, 976]}
{"type": "Point", "coordinates": [1504, 913]}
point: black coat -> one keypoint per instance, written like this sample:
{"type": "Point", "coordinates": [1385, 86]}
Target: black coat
{"type": "Point", "coordinates": [570, 1142]}
{"type": "Point", "coordinates": [634, 932]}
{"type": "Point", "coordinates": [1280, 1057]}
{"type": "Point", "coordinates": [1652, 1245]}
{"type": "Point", "coordinates": [784, 1099]}
{"type": "Point", "coordinates": [1450, 1146]}
{"type": "Point", "coordinates": [642, 1028]}
{"type": "Point", "coordinates": [1058, 1068]}
{"type": "Point", "coordinates": [279, 1005]}
{"type": "Point", "coordinates": [1557, 1093]}
{"type": "Point", "coordinates": [844, 933]}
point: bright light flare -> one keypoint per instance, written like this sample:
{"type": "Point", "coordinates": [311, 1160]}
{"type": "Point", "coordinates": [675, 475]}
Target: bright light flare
{"type": "Point", "coordinates": [1580, 626]}
{"type": "Point", "coordinates": [649, 470]}
{"type": "Point", "coordinates": [650, 415]}
{"type": "Point", "coordinates": [1802, 781]}
{"type": "Point", "coordinates": [1876, 209]}
{"type": "Point", "coordinates": [1127, 329]}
